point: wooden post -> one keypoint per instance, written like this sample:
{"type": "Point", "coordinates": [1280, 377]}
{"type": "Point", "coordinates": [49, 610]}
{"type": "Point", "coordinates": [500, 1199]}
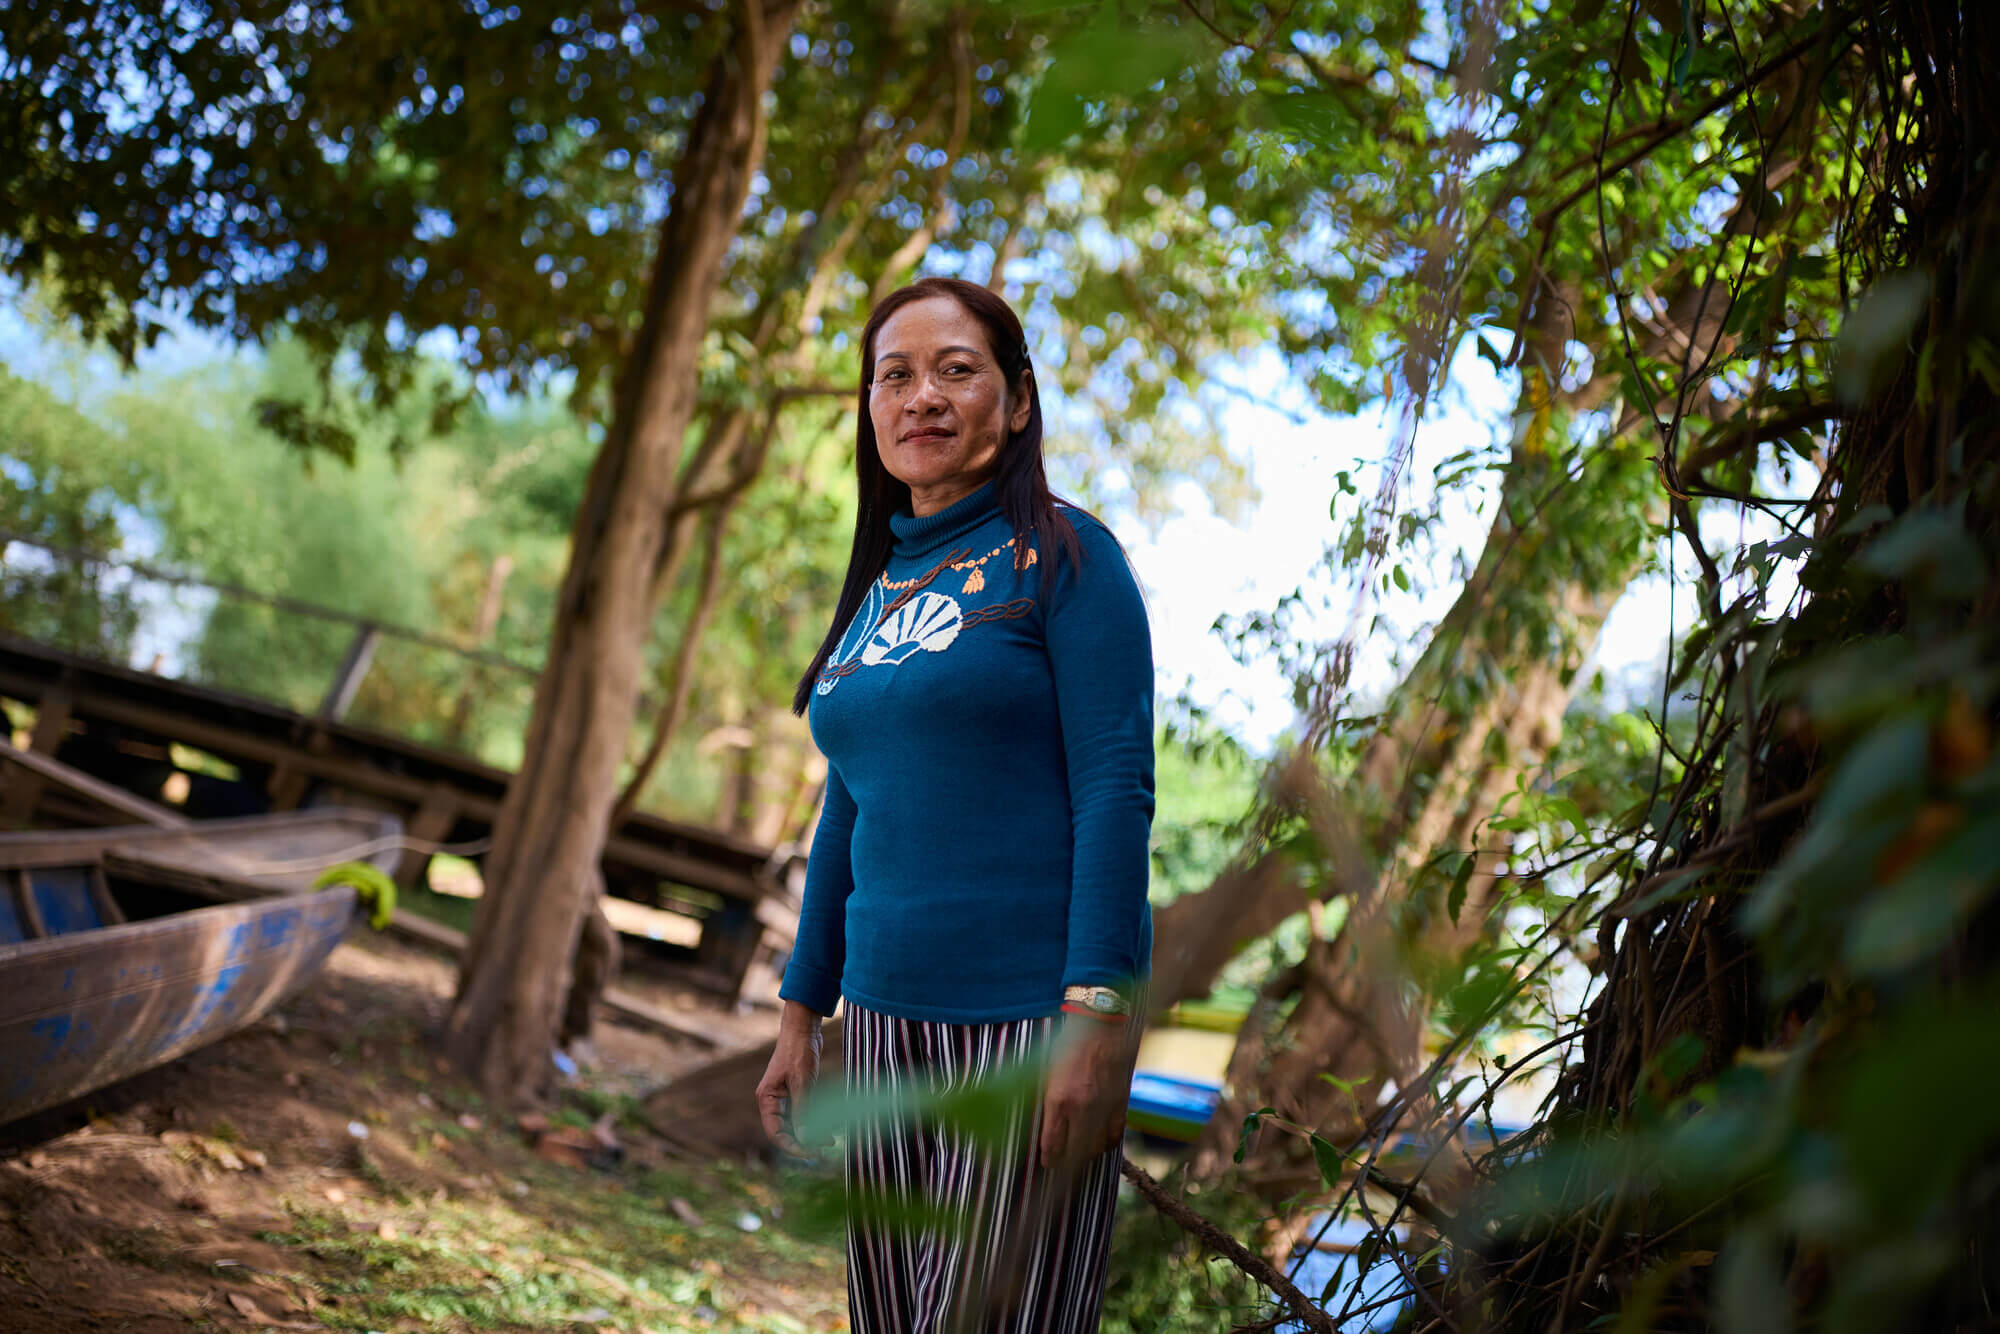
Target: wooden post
{"type": "Point", "coordinates": [729, 939]}
{"type": "Point", "coordinates": [432, 823]}
{"type": "Point", "coordinates": [100, 894]}
{"type": "Point", "coordinates": [287, 787]}
{"type": "Point", "coordinates": [24, 786]}
{"type": "Point", "coordinates": [31, 911]}
{"type": "Point", "coordinates": [290, 777]}
{"type": "Point", "coordinates": [360, 652]}
{"type": "Point", "coordinates": [489, 620]}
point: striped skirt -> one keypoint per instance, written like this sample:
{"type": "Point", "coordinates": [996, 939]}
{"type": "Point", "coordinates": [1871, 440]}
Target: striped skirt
{"type": "Point", "coordinates": [954, 1227]}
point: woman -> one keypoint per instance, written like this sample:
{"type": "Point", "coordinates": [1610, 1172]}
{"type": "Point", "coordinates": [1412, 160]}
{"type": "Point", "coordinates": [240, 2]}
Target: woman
{"type": "Point", "coordinates": [984, 700]}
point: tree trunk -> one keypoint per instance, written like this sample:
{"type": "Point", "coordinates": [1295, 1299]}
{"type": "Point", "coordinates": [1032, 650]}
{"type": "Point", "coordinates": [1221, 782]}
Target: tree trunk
{"type": "Point", "coordinates": [598, 956]}
{"type": "Point", "coordinates": [551, 827]}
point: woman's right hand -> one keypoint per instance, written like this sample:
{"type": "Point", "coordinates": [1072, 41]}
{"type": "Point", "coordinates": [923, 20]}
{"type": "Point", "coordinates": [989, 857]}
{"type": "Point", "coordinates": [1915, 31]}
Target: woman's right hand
{"type": "Point", "coordinates": [793, 1070]}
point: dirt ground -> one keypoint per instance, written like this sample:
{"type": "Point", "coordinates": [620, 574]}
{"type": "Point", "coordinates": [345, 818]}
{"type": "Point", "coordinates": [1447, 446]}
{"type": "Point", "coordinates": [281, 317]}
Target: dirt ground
{"type": "Point", "coordinates": [321, 1170]}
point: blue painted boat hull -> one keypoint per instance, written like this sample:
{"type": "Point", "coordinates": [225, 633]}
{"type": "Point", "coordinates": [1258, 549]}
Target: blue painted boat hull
{"type": "Point", "coordinates": [80, 1011]}
{"type": "Point", "coordinates": [1171, 1107]}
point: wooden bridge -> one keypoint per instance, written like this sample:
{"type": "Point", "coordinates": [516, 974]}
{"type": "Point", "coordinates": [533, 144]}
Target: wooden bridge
{"type": "Point", "coordinates": [121, 725]}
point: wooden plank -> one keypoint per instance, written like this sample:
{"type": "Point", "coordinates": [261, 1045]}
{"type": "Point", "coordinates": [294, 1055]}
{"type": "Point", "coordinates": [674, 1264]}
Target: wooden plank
{"type": "Point", "coordinates": [632, 1010]}
{"type": "Point", "coordinates": [378, 782]}
{"type": "Point", "coordinates": [290, 781]}
{"type": "Point", "coordinates": [96, 790]}
{"type": "Point", "coordinates": [24, 786]}
{"type": "Point", "coordinates": [779, 919]}
{"type": "Point", "coordinates": [616, 1000]}
{"type": "Point", "coordinates": [424, 931]}
{"type": "Point", "coordinates": [81, 1011]}
{"type": "Point", "coordinates": [382, 765]}
{"type": "Point", "coordinates": [52, 715]}
{"type": "Point", "coordinates": [287, 787]}
{"type": "Point", "coordinates": [99, 681]}
{"type": "Point", "coordinates": [353, 667]}
{"type": "Point", "coordinates": [729, 938]}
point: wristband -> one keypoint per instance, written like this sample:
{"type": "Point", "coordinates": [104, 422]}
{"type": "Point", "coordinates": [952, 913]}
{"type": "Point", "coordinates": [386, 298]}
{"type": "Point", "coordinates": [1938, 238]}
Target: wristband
{"type": "Point", "coordinates": [1099, 1015]}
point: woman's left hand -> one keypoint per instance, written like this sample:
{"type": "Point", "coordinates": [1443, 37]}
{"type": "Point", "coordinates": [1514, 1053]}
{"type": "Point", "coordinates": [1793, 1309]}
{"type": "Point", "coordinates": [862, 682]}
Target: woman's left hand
{"type": "Point", "coordinates": [1083, 1111]}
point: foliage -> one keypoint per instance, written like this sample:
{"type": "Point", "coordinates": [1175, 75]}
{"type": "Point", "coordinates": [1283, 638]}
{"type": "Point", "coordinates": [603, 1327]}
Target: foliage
{"type": "Point", "coordinates": [1161, 1279]}
{"type": "Point", "coordinates": [56, 493]}
{"type": "Point", "coordinates": [1204, 780]}
{"type": "Point", "coordinates": [173, 473]}
{"type": "Point", "coordinates": [508, 215]}
{"type": "Point", "coordinates": [1782, 996]}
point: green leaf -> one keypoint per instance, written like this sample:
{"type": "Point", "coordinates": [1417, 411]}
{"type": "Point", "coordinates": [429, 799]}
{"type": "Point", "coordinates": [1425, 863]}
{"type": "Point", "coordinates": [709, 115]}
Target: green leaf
{"type": "Point", "coordinates": [1874, 338]}
{"type": "Point", "coordinates": [1917, 1108]}
{"type": "Point", "coordinates": [1314, 116]}
{"type": "Point", "coordinates": [1455, 900]}
{"type": "Point", "coordinates": [1750, 1286]}
{"type": "Point", "coordinates": [1250, 1124]}
{"type": "Point", "coordinates": [1910, 921]}
{"type": "Point", "coordinates": [1329, 1161]}
{"type": "Point", "coordinates": [1892, 758]}
{"type": "Point", "coordinates": [1931, 552]}
{"type": "Point", "coordinates": [1865, 518]}
{"type": "Point", "coordinates": [1096, 65]}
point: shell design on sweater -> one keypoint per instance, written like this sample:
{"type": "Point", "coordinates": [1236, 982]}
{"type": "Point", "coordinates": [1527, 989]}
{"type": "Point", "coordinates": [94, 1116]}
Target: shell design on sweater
{"type": "Point", "coordinates": [928, 623]}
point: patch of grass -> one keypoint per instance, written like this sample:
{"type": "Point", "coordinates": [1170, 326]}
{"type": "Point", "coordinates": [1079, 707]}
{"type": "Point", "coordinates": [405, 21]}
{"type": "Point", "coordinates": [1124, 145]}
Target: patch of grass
{"type": "Point", "coordinates": [450, 910]}
{"type": "Point", "coordinates": [575, 1251]}
{"type": "Point", "coordinates": [627, 1110]}
{"type": "Point", "coordinates": [149, 1248]}
{"type": "Point", "coordinates": [364, 1166]}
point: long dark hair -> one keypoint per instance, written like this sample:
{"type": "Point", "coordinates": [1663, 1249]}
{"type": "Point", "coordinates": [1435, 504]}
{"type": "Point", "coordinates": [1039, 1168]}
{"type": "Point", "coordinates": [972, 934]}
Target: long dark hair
{"type": "Point", "coordinates": [1019, 478]}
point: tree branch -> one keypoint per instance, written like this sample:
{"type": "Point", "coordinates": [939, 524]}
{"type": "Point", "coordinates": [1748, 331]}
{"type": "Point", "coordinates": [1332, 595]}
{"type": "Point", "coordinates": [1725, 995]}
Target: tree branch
{"type": "Point", "coordinates": [940, 217]}
{"type": "Point", "coordinates": [1739, 436]}
{"type": "Point", "coordinates": [1670, 129]}
{"type": "Point", "coordinates": [668, 720]}
{"type": "Point", "coordinates": [1213, 1237]}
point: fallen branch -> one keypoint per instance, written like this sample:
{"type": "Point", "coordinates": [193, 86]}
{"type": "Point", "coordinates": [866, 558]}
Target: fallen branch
{"type": "Point", "coordinates": [1228, 1247]}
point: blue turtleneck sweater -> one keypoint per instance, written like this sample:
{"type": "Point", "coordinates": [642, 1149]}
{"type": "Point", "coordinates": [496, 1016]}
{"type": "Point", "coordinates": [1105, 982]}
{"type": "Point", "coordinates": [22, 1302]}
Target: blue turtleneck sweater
{"type": "Point", "coordinates": [990, 785]}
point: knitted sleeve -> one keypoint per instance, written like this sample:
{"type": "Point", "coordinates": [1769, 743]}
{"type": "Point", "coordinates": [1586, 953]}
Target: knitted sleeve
{"type": "Point", "coordinates": [812, 978]}
{"type": "Point", "coordinates": [1101, 651]}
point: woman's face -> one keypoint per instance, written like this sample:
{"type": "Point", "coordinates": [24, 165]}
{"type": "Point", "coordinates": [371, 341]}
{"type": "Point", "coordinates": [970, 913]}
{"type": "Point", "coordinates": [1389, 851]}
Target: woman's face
{"type": "Point", "coordinates": [940, 404]}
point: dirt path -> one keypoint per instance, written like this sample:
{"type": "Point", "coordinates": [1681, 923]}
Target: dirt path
{"type": "Point", "coordinates": [320, 1171]}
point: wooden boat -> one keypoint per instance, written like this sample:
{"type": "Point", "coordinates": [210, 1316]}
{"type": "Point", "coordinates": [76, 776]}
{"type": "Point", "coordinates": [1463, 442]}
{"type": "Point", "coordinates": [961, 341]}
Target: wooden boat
{"type": "Point", "coordinates": [1182, 1060]}
{"type": "Point", "coordinates": [121, 949]}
